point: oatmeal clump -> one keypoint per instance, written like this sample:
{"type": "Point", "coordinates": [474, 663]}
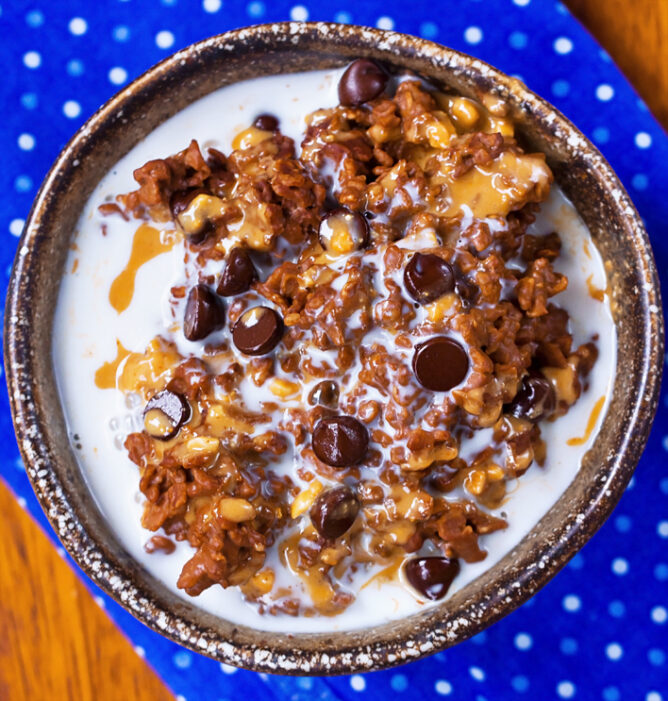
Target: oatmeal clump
{"type": "Point", "coordinates": [363, 308]}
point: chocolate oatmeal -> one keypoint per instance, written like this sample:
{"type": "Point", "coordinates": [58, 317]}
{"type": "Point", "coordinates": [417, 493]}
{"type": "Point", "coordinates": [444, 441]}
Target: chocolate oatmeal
{"type": "Point", "coordinates": [372, 344]}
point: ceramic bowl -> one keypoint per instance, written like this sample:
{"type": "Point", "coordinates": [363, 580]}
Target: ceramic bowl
{"type": "Point", "coordinates": [581, 172]}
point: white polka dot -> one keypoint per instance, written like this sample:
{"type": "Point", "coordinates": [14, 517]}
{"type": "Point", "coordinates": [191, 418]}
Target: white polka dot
{"type": "Point", "coordinates": [443, 687]}
{"type": "Point", "coordinates": [662, 529]}
{"type": "Point", "coordinates": [614, 651]}
{"type": "Point", "coordinates": [140, 651]}
{"type": "Point", "coordinates": [620, 566]}
{"type": "Point", "coordinates": [659, 614]}
{"type": "Point", "coordinates": [100, 602]}
{"type": "Point", "coordinates": [357, 682]}
{"type": "Point", "coordinates": [563, 45]}
{"type": "Point", "coordinates": [23, 183]}
{"type": "Point", "coordinates": [78, 26]}
{"type": "Point", "coordinates": [522, 3]}
{"type": "Point", "coordinates": [212, 5]}
{"type": "Point", "coordinates": [572, 603]}
{"type": "Point", "coordinates": [343, 17]}
{"type": "Point", "coordinates": [35, 18]}
{"type": "Point", "coordinates": [15, 229]}
{"type": "Point", "coordinates": [164, 39]}
{"type": "Point", "coordinates": [477, 673]}
{"type": "Point", "coordinates": [566, 690]}
{"type": "Point", "coordinates": [255, 9]}
{"type": "Point", "coordinates": [643, 139]}
{"type": "Point", "coordinates": [120, 33]}
{"type": "Point", "coordinates": [523, 641]}
{"type": "Point", "coordinates": [32, 59]}
{"type": "Point", "coordinates": [26, 142]}
{"type": "Point", "coordinates": [181, 697]}
{"type": "Point", "coordinates": [473, 35]}
{"type": "Point", "coordinates": [75, 67]}
{"type": "Point", "coordinates": [61, 552]}
{"type": "Point", "coordinates": [653, 696]}
{"type": "Point", "coordinates": [605, 92]}
{"type": "Point", "coordinates": [118, 75]}
{"type": "Point", "coordinates": [385, 23]}
{"type": "Point", "coordinates": [299, 14]}
{"type": "Point", "coordinates": [72, 109]}
{"type": "Point", "coordinates": [228, 668]}
{"type": "Point", "coordinates": [22, 502]}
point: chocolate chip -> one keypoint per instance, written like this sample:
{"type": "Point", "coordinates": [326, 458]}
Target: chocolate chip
{"type": "Point", "coordinates": [431, 576]}
{"type": "Point", "coordinates": [238, 273]}
{"type": "Point", "coordinates": [179, 202]}
{"type": "Point", "coordinates": [467, 291]}
{"type": "Point", "coordinates": [535, 399]}
{"type": "Point", "coordinates": [334, 512]}
{"type": "Point", "coordinates": [325, 393]}
{"type": "Point", "coordinates": [180, 199]}
{"type": "Point", "coordinates": [440, 363]}
{"type": "Point", "coordinates": [258, 331]}
{"type": "Point", "coordinates": [362, 81]}
{"type": "Point", "coordinates": [428, 277]}
{"type": "Point", "coordinates": [205, 313]}
{"type": "Point", "coordinates": [165, 413]}
{"type": "Point", "coordinates": [266, 122]}
{"type": "Point", "coordinates": [343, 231]}
{"type": "Point", "coordinates": [340, 441]}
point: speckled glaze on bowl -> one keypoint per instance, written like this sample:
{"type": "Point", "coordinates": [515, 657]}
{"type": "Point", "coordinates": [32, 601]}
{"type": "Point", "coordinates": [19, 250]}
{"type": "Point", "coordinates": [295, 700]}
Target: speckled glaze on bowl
{"type": "Point", "coordinates": [168, 87]}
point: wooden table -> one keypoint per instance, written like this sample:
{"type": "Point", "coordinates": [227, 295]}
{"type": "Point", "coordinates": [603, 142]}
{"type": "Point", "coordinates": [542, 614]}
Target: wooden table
{"type": "Point", "coordinates": [56, 643]}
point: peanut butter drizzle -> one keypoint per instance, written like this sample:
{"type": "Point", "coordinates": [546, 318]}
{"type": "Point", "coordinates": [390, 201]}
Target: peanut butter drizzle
{"type": "Point", "coordinates": [593, 418]}
{"type": "Point", "coordinates": [595, 292]}
{"type": "Point", "coordinates": [490, 190]}
{"type": "Point", "coordinates": [146, 245]}
{"type": "Point", "coordinates": [387, 574]}
{"type": "Point", "coordinates": [105, 375]}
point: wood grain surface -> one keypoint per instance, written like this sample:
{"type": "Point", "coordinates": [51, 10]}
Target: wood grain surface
{"type": "Point", "coordinates": [56, 643]}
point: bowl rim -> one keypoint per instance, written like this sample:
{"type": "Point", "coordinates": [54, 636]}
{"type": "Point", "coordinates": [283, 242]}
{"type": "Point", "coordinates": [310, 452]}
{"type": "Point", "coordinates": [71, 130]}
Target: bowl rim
{"type": "Point", "coordinates": [349, 657]}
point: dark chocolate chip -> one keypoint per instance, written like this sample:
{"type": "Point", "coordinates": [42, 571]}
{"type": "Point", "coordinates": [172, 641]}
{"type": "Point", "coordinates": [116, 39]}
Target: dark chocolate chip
{"type": "Point", "coordinates": [165, 413]}
{"type": "Point", "coordinates": [343, 231]}
{"type": "Point", "coordinates": [440, 363]}
{"type": "Point", "coordinates": [179, 202]}
{"type": "Point", "coordinates": [340, 441]}
{"type": "Point", "coordinates": [238, 273]}
{"type": "Point", "coordinates": [266, 122]}
{"type": "Point", "coordinates": [431, 576]}
{"type": "Point", "coordinates": [467, 291]}
{"type": "Point", "coordinates": [535, 399]}
{"type": "Point", "coordinates": [258, 331]}
{"type": "Point", "coordinates": [180, 199]}
{"type": "Point", "coordinates": [362, 81]}
{"type": "Point", "coordinates": [325, 393]}
{"type": "Point", "coordinates": [334, 512]}
{"type": "Point", "coordinates": [428, 277]}
{"type": "Point", "coordinates": [205, 313]}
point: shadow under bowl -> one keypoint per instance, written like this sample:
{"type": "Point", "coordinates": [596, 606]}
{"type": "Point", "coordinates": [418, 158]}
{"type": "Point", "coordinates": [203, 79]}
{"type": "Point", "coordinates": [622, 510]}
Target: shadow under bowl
{"type": "Point", "coordinates": [581, 172]}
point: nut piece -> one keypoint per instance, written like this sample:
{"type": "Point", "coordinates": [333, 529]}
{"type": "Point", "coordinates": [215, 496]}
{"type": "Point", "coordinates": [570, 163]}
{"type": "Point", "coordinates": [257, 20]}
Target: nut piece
{"type": "Point", "coordinates": [305, 498]}
{"type": "Point", "coordinates": [464, 112]}
{"type": "Point", "coordinates": [236, 510]}
{"type": "Point", "coordinates": [283, 388]}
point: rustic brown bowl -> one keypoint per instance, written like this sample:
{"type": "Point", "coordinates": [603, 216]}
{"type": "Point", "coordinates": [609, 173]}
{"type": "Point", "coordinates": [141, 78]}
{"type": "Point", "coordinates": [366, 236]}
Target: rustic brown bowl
{"type": "Point", "coordinates": [168, 87]}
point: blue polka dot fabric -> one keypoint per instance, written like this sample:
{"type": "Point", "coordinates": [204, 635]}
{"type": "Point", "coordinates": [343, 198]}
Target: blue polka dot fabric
{"type": "Point", "coordinates": [599, 630]}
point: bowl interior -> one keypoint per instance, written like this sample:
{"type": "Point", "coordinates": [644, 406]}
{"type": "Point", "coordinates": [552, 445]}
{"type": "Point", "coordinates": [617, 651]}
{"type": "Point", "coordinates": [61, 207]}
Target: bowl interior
{"type": "Point", "coordinates": [125, 120]}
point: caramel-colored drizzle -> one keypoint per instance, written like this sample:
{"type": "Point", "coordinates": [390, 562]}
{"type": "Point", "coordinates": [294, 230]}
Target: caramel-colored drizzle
{"type": "Point", "coordinates": [595, 292]}
{"type": "Point", "coordinates": [105, 376]}
{"type": "Point", "coordinates": [387, 574]}
{"type": "Point", "coordinates": [146, 245]}
{"type": "Point", "coordinates": [593, 418]}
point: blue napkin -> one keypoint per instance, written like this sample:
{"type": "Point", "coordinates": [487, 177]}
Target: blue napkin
{"type": "Point", "coordinates": [599, 630]}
